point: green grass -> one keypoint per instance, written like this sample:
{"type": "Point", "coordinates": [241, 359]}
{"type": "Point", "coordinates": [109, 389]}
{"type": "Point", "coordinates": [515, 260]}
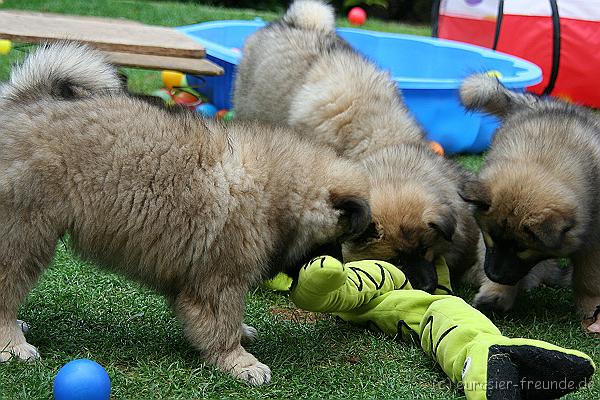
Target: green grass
{"type": "Point", "coordinates": [77, 311]}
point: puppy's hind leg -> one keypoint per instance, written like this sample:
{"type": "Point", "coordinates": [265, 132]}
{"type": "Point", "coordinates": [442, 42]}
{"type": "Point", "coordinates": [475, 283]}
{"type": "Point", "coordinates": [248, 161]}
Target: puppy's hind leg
{"type": "Point", "coordinates": [212, 321]}
{"type": "Point", "coordinates": [24, 253]}
{"type": "Point", "coordinates": [586, 288]}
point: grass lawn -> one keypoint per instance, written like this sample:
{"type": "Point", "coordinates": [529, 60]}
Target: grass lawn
{"type": "Point", "coordinates": [77, 311]}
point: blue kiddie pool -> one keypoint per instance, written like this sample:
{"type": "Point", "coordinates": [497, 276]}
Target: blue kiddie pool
{"type": "Point", "coordinates": [429, 72]}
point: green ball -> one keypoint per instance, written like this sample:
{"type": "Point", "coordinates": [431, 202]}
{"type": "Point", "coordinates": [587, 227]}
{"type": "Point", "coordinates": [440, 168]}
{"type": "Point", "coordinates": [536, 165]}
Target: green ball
{"type": "Point", "coordinates": [229, 115]}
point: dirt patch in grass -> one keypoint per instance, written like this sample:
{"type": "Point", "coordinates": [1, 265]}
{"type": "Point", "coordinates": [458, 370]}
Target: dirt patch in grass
{"type": "Point", "coordinates": [297, 316]}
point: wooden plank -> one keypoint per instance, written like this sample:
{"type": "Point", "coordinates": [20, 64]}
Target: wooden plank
{"type": "Point", "coordinates": [79, 17]}
{"type": "Point", "coordinates": [110, 35]}
{"type": "Point", "coordinates": [188, 65]}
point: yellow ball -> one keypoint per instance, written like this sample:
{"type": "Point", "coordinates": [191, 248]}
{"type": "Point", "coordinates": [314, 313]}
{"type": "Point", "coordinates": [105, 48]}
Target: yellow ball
{"type": "Point", "coordinates": [173, 79]}
{"type": "Point", "coordinates": [495, 74]}
{"type": "Point", "coordinates": [5, 46]}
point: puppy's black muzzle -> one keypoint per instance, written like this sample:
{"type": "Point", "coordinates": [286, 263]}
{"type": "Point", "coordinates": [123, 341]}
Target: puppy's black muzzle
{"type": "Point", "coordinates": [503, 266]}
{"type": "Point", "coordinates": [420, 273]}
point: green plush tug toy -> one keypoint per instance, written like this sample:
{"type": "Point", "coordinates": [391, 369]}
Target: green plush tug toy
{"type": "Point", "coordinates": [464, 342]}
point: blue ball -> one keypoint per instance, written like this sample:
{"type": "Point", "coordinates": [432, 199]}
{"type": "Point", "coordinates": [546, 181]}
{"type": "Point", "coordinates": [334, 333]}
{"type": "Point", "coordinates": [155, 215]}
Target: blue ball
{"type": "Point", "coordinates": [207, 110]}
{"type": "Point", "coordinates": [81, 380]}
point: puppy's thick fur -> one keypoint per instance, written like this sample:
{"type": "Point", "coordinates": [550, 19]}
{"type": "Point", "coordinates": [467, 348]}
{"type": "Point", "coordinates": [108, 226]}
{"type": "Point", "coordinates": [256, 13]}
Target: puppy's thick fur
{"type": "Point", "coordinates": [537, 194]}
{"type": "Point", "coordinates": [297, 71]}
{"type": "Point", "coordinates": [418, 215]}
{"type": "Point", "coordinates": [194, 209]}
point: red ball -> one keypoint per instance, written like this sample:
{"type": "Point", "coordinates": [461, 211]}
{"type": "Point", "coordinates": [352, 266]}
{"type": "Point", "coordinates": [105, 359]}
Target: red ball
{"type": "Point", "coordinates": [357, 16]}
{"type": "Point", "coordinates": [185, 98]}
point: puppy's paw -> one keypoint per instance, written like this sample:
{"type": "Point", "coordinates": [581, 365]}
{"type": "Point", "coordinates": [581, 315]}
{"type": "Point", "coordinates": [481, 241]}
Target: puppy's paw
{"type": "Point", "coordinates": [591, 325]}
{"type": "Point", "coordinates": [246, 367]}
{"type": "Point", "coordinates": [257, 374]}
{"type": "Point", "coordinates": [588, 308]}
{"type": "Point", "coordinates": [23, 351]}
{"type": "Point", "coordinates": [592, 328]}
{"type": "Point", "coordinates": [249, 334]}
{"type": "Point", "coordinates": [494, 299]}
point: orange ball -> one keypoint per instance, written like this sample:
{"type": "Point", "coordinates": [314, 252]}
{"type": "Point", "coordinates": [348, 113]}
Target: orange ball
{"type": "Point", "coordinates": [436, 147]}
{"type": "Point", "coordinates": [221, 113]}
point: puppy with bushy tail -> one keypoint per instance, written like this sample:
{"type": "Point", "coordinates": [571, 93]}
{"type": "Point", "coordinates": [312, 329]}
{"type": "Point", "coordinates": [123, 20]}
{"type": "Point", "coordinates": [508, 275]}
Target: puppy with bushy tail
{"type": "Point", "coordinates": [536, 197]}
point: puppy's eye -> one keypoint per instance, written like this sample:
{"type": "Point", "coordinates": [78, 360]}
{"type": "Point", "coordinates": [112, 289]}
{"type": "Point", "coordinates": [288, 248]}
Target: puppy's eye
{"type": "Point", "coordinates": [529, 233]}
{"type": "Point", "coordinates": [370, 234]}
{"type": "Point", "coordinates": [566, 229]}
{"type": "Point", "coordinates": [482, 207]}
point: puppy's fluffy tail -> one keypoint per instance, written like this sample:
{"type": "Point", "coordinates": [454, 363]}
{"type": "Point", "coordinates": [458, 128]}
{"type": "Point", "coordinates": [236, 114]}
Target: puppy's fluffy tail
{"type": "Point", "coordinates": [62, 70]}
{"type": "Point", "coordinates": [310, 14]}
{"type": "Point", "coordinates": [483, 92]}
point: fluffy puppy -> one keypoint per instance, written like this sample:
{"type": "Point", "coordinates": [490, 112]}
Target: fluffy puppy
{"type": "Point", "coordinates": [537, 194]}
{"type": "Point", "coordinates": [298, 72]}
{"type": "Point", "coordinates": [418, 215]}
{"type": "Point", "coordinates": [198, 211]}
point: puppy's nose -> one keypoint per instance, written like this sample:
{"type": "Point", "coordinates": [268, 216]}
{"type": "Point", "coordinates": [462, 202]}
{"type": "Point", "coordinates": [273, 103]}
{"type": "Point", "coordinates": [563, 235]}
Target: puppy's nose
{"type": "Point", "coordinates": [421, 274]}
{"type": "Point", "coordinates": [429, 287]}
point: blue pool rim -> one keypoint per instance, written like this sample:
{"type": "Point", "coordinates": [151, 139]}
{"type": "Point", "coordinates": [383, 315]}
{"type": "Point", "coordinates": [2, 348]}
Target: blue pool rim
{"type": "Point", "coordinates": [529, 74]}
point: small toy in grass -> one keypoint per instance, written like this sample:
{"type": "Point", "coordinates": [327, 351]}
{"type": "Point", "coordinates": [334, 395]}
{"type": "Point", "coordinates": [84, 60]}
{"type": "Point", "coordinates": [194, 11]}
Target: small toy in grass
{"type": "Point", "coordinates": [279, 283]}
{"type": "Point", "coordinates": [81, 379]}
{"type": "Point", "coordinates": [173, 79]}
{"type": "Point", "coordinates": [207, 110]}
{"type": "Point", "coordinates": [357, 16]}
{"type": "Point", "coordinates": [436, 147]}
{"type": "Point", "coordinates": [5, 46]}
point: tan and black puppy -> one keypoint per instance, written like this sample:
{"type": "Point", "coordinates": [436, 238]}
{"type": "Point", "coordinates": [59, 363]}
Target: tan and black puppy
{"type": "Point", "coordinates": [418, 215]}
{"type": "Point", "coordinates": [537, 194]}
{"type": "Point", "coordinates": [298, 72]}
{"type": "Point", "coordinates": [196, 210]}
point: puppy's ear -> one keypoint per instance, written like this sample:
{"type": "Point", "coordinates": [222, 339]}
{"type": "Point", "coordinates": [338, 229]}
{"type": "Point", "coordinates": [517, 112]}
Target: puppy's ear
{"type": "Point", "coordinates": [356, 213]}
{"type": "Point", "coordinates": [475, 192]}
{"type": "Point", "coordinates": [371, 234]}
{"type": "Point", "coordinates": [551, 227]}
{"type": "Point", "coordinates": [445, 224]}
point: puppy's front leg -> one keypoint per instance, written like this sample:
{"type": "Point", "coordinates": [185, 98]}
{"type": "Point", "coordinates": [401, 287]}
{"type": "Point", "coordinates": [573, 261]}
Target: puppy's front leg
{"type": "Point", "coordinates": [493, 296]}
{"type": "Point", "coordinates": [586, 287]}
{"type": "Point", "coordinates": [212, 322]}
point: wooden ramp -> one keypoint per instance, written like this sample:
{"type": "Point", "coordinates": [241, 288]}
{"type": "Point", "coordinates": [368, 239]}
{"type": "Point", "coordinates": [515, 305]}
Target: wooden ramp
{"type": "Point", "coordinates": [126, 42]}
